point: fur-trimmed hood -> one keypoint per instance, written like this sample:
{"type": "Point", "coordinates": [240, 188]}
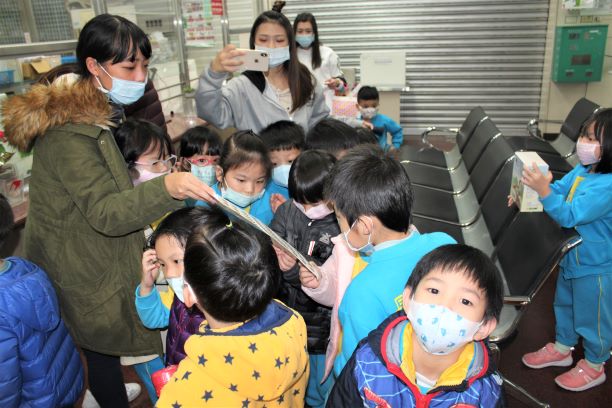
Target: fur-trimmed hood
{"type": "Point", "coordinates": [43, 107]}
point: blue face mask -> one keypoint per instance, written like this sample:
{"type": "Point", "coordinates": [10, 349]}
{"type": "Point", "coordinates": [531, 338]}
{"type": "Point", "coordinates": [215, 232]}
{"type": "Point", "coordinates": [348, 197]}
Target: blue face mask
{"type": "Point", "coordinates": [239, 199]}
{"type": "Point", "coordinates": [277, 55]}
{"type": "Point", "coordinates": [206, 174]}
{"type": "Point", "coordinates": [280, 174]}
{"type": "Point", "coordinates": [123, 92]}
{"type": "Point", "coordinates": [305, 41]}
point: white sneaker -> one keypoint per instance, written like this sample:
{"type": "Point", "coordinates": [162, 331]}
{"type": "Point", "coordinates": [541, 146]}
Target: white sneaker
{"type": "Point", "coordinates": [133, 390]}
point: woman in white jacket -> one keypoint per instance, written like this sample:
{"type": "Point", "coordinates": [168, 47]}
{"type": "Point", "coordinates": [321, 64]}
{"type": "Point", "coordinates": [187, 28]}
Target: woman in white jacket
{"type": "Point", "coordinates": [322, 61]}
{"type": "Point", "coordinates": [254, 100]}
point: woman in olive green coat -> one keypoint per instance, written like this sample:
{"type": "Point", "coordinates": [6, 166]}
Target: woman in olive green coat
{"type": "Point", "coordinates": [86, 219]}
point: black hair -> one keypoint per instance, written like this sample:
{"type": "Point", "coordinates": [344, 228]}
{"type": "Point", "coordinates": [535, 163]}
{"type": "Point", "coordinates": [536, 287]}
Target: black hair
{"type": "Point", "coordinates": [301, 81]}
{"type": "Point", "coordinates": [244, 147]}
{"type": "Point", "coordinates": [182, 222]}
{"type": "Point", "coordinates": [603, 133]}
{"type": "Point", "coordinates": [470, 261]}
{"type": "Point", "coordinates": [6, 219]}
{"type": "Point", "coordinates": [331, 135]}
{"type": "Point", "coordinates": [308, 175]}
{"type": "Point", "coordinates": [283, 135]}
{"type": "Point", "coordinates": [316, 52]}
{"type": "Point", "coordinates": [194, 140]}
{"type": "Point", "coordinates": [367, 93]}
{"type": "Point", "coordinates": [137, 136]}
{"type": "Point", "coordinates": [367, 182]}
{"type": "Point", "coordinates": [112, 38]}
{"type": "Point", "coordinates": [232, 269]}
{"type": "Point", "coordinates": [366, 136]}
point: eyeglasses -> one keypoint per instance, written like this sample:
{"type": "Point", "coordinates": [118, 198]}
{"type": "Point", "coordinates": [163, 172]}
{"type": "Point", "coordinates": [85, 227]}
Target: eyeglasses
{"type": "Point", "coordinates": [160, 165]}
{"type": "Point", "coordinates": [202, 162]}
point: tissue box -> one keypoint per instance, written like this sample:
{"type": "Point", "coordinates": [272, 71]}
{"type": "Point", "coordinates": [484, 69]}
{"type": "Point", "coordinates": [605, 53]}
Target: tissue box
{"type": "Point", "coordinates": [525, 197]}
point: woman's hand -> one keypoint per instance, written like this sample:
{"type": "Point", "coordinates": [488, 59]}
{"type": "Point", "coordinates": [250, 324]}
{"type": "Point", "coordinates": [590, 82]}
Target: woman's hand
{"type": "Point", "coordinates": [227, 60]}
{"type": "Point", "coordinates": [535, 179]}
{"type": "Point", "coordinates": [285, 262]}
{"type": "Point", "coordinates": [333, 83]}
{"type": "Point", "coordinates": [150, 271]}
{"type": "Point", "coordinates": [185, 185]}
{"type": "Point", "coordinates": [307, 279]}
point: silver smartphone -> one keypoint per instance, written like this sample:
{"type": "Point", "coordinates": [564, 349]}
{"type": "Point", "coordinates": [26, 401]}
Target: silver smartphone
{"type": "Point", "coordinates": [254, 60]}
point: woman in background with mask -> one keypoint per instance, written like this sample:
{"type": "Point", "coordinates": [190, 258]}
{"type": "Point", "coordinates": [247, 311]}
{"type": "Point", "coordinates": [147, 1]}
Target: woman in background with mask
{"type": "Point", "coordinates": [253, 100]}
{"type": "Point", "coordinates": [322, 61]}
{"type": "Point", "coordinates": [86, 218]}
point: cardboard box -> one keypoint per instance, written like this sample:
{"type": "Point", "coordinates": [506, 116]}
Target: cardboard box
{"type": "Point", "coordinates": [525, 197]}
{"type": "Point", "coordinates": [33, 68]}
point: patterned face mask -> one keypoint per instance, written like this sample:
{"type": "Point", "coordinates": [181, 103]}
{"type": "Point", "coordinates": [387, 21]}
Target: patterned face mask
{"type": "Point", "coordinates": [439, 330]}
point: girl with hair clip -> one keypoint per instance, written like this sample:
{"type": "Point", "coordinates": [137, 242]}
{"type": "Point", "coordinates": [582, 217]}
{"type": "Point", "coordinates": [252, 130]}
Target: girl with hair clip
{"type": "Point", "coordinates": [250, 351]}
{"type": "Point", "coordinates": [582, 199]}
{"type": "Point", "coordinates": [253, 100]}
{"type": "Point", "coordinates": [86, 219]}
{"type": "Point", "coordinates": [244, 176]}
{"type": "Point", "coordinates": [322, 61]}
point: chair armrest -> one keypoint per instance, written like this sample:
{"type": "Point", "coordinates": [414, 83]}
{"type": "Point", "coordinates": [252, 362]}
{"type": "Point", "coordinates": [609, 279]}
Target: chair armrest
{"type": "Point", "coordinates": [430, 129]}
{"type": "Point", "coordinates": [533, 128]}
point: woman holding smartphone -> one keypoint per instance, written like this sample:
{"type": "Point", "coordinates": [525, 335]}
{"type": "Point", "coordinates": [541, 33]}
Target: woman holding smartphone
{"type": "Point", "coordinates": [255, 99]}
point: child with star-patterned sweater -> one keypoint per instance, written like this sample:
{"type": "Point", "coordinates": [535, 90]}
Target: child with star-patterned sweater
{"type": "Point", "coordinates": [251, 349]}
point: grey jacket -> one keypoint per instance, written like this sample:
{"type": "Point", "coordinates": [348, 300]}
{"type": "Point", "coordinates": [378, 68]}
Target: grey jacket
{"type": "Point", "coordinates": [241, 103]}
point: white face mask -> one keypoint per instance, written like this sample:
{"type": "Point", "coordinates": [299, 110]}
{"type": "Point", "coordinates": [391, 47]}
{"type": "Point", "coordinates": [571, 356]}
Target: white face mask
{"type": "Point", "coordinates": [368, 113]}
{"type": "Point", "coordinates": [439, 330]}
{"type": "Point", "coordinates": [177, 287]}
{"type": "Point", "coordinates": [366, 249]}
{"type": "Point", "coordinates": [586, 152]}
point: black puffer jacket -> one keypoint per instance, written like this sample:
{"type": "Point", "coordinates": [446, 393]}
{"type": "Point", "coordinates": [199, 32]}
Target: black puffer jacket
{"type": "Point", "coordinates": [297, 229]}
{"type": "Point", "coordinates": [147, 107]}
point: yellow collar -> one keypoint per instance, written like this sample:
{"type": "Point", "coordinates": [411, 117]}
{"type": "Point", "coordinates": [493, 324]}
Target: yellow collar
{"type": "Point", "coordinates": [453, 375]}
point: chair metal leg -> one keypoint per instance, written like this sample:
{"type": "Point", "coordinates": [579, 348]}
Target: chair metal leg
{"type": "Point", "coordinates": [522, 395]}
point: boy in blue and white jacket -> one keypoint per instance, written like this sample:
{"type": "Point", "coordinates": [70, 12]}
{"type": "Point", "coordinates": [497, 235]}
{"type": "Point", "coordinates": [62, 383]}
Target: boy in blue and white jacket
{"type": "Point", "coordinates": [381, 125]}
{"type": "Point", "coordinates": [432, 353]}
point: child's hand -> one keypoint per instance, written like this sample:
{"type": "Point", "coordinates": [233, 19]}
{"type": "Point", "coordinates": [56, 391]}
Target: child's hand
{"type": "Point", "coordinates": [150, 271]}
{"type": "Point", "coordinates": [276, 200]}
{"type": "Point", "coordinates": [367, 125]}
{"type": "Point", "coordinates": [510, 201]}
{"type": "Point", "coordinates": [535, 179]}
{"type": "Point", "coordinates": [285, 262]}
{"type": "Point", "coordinates": [307, 279]}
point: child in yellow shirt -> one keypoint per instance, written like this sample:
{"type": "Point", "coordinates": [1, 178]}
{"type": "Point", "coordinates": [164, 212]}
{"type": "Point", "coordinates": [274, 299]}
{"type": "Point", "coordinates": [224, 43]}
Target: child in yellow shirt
{"type": "Point", "coordinates": [251, 349]}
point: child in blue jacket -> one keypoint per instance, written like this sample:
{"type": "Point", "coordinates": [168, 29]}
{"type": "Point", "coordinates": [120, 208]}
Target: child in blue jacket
{"type": "Point", "coordinates": [432, 353]}
{"type": "Point", "coordinates": [244, 174]}
{"type": "Point", "coordinates": [381, 125]}
{"type": "Point", "coordinates": [39, 363]}
{"type": "Point", "coordinates": [582, 199]}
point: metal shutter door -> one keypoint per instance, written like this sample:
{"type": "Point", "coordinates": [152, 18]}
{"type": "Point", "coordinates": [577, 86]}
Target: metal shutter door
{"type": "Point", "coordinates": [459, 53]}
